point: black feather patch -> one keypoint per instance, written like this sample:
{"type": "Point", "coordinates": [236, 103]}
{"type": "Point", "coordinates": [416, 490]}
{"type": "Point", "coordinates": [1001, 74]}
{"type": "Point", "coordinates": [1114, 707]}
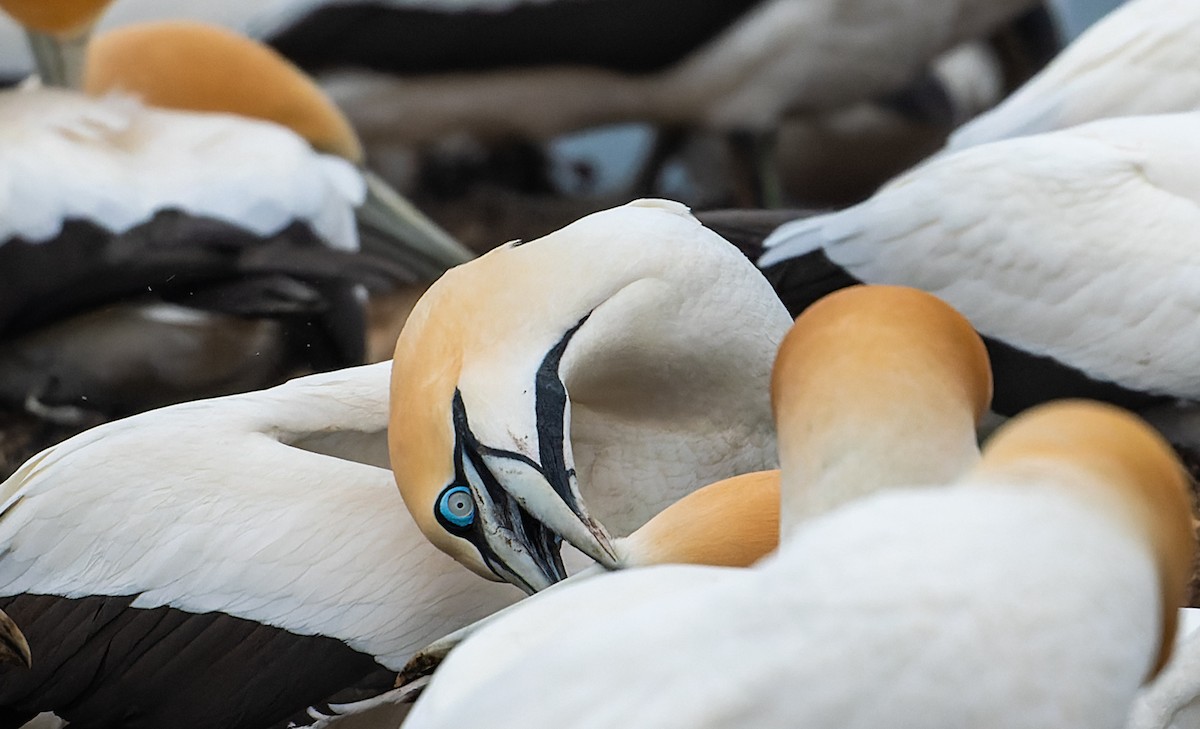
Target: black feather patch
{"type": "Point", "coordinates": [99, 663]}
{"type": "Point", "coordinates": [629, 36]}
{"type": "Point", "coordinates": [173, 256]}
{"type": "Point", "coordinates": [1022, 380]}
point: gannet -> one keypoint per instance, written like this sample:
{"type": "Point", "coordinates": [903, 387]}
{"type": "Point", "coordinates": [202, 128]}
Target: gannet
{"type": "Point", "coordinates": [577, 384]}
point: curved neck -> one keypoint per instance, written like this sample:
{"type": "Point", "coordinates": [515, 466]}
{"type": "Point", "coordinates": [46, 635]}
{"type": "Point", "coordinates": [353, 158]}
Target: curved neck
{"type": "Point", "coordinates": [59, 60]}
{"type": "Point", "coordinates": [827, 467]}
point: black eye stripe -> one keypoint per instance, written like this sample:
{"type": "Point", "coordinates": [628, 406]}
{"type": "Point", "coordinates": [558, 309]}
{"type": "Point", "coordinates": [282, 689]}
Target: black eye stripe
{"type": "Point", "coordinates": [550, 410]}
{"type": "Point", "coordinates": [505, 511]}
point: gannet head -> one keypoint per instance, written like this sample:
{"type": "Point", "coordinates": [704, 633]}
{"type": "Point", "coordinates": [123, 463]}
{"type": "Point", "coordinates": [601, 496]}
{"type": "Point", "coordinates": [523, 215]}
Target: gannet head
{"type": "Point", "coordinates": [731, 523]}
{"type": "Point", "coordinates": [1117, 463]}
{"type": "Point", "coordinates": [58, 18]}
{"type": "Point", "coordinates": [873, 386]}
{"type": "Point", "coordinates": [195, 66]}
{"type": "Point", "coordinates": [601, 315]}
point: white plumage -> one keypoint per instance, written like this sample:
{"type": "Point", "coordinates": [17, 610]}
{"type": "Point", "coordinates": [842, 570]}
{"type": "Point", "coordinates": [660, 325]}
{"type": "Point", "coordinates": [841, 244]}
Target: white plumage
{"type": "Point", "coordinates": [1078, 245]}
{"type": "Point", "coordinates": [275, 506]}
{"type": "Point", "coordinates": [116, 163]}
{"type": "Point", "coordinates": [885, 612]}
{"type": "Point", "coordinates": [616, 364]}
{"type": "Point", "coordinates": [1026, 595]}
{"type": "Point", "coordinates": [1172, 701]}
{"type": "Point", "coordinates": [1143, 58]}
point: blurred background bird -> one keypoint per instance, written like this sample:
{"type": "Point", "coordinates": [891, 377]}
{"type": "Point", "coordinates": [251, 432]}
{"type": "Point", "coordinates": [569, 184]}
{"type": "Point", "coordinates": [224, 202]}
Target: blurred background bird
{"type": "Point", "coordinates": [497, 118]}
{"type": "Point", "coordinates": [200, 225]}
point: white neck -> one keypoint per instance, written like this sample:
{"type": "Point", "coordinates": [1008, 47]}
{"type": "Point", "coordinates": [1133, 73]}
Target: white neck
{"type": "Point", "coordinates": [669, 392]}
{"type": "Point", "coordinates": [838, 465]}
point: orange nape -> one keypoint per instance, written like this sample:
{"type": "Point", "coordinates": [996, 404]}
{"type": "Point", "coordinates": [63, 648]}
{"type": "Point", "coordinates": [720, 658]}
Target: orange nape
{"type": "Point", "coordinates": [1130, 471]}
{"type": "Point", "coordinates": [194, 66]}
{"type": "Point", "coordinates": [59, 18]}
{"type": "Point", "coordinates": [731, 523]}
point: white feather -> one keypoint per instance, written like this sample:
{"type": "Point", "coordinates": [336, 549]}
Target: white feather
{"type": "Point", "coordinates": [116, 163]}
{"type": "Point", "coordinates": [1077, 244]}
{"type": "Point", "coordinates": [1172, 700]}
{"type": "Point", "coordinates": [903, 608]}
{"type": "Point", "coordinates": [216, 505]}
{"type": "Point", "coordinates": [1143, 58]}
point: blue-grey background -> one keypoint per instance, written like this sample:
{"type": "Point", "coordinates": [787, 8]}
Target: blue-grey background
{"type": "Point", "coordinates": [1079, 14]}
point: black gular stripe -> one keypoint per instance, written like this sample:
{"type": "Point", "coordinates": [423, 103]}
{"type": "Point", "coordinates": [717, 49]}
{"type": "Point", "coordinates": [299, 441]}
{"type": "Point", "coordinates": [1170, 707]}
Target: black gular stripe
{"type": "Point", "coordinates": [550, 409]}
{"type": "Point", "coordinates": [1021, 379]}
{"type": "Point", "coordinates": [100, 663]}
{"type": "Point", "coordinates": [630, 36]}
{"type": "Point", "coordinates": [526, 529]}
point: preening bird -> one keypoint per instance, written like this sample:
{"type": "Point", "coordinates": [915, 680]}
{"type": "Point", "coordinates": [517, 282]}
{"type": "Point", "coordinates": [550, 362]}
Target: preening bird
{"type": "Point", "coordinates": [731, 523]}
{"type": "Point", "coordinates": [196, 66]}
{"type": "Point", "coordinates": [907, 606]}
{"type": "Point", "coordinates": [1143, 58]}
{"type": "Point", "coordinates": [221, 249]}
{"type": "Point", "coordinates": [897, 350]}
{"type": "Point", "coordinates": [1070, 252]}
{"type": "Point", "coordinates": [223, 562]}
{"type": "Point", "coordinates": [577, 384]}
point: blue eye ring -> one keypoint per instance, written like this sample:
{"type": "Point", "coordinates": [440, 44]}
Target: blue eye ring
{"type": "Point", "coordinates": [457, 506]}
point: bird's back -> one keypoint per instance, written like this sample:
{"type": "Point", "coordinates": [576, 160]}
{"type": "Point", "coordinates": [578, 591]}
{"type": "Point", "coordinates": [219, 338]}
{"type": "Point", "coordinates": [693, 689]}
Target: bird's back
{"type": "Point", "coordinates": [980, 609]}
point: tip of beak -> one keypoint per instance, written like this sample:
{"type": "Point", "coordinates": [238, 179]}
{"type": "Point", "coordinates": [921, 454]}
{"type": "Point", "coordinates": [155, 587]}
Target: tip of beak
{"type": "Point", "coordinates": [601, 549]}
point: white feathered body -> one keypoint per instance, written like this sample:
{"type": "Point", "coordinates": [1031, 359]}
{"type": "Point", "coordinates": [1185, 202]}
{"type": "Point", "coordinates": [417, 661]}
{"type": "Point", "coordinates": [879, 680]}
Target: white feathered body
{"type": "Point", "coordinates": [828, 54]}
{"type": "Point", "coordinates": [1172, 700]}
{"type": "Point", "coordinates": [986, 607]}
{"type": "Point", "coordinates": [116, 163]}
{"type": "Point", "coordinates": [1078, 244]}
{"type": "Point", "coordinates": [1143, 58]}
{"type": "Point", "coordinates": [538, 623]}
{"type": "Point", "coordinates": [668, 378]}
{"type": "Point", "coordinates": [231, 505]}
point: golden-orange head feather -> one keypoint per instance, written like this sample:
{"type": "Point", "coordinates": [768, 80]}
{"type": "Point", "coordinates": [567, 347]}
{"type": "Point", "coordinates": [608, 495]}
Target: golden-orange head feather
{"type": "Point", "coordinates": [1132, 472]}
{"type": "Point", "coordinates": [730, 523]}
{"type": "Point", "coordinates": [61, 18]}
{"type": "Point", "coordinates": [195, 66]}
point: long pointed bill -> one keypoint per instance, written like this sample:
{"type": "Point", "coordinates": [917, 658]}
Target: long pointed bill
{"type": "Point", "coordinates": [515, 545]}
{"type": "Point", "coordinates": [393, 228]}
{"type": "Point", "coordinates": [564, 513]}
{"type": "Point", "coordinates": [14, 649]}
{"type": "Point", "coordinates": [59, 61]}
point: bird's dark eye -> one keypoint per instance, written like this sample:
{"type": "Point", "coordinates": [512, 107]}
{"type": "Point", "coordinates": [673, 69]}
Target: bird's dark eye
{"type": "Point", "coordinates": [457, 506]}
